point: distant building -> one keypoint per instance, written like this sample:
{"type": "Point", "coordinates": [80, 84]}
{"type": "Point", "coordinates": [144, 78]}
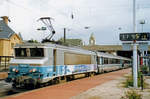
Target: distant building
{"type": "Point", "coordinates": [92, 39]}
{"type": "Point", "coordinates": [111, 49]}
{"type": "Point", "coordinates": [8, 38]}
{"type": "Point", "coordinates": [72, 42]}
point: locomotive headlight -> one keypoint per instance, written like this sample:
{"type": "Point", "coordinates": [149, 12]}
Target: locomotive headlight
{"type": "Point", "coordinates": [33, 70]}
{"type": "Point", "coordinates": [14, 69]}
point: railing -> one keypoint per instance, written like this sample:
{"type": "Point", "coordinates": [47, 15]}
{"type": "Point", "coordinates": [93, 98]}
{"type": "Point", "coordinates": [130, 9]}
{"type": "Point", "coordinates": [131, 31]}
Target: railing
{"type": "Point", "coordinates": [4, 63]}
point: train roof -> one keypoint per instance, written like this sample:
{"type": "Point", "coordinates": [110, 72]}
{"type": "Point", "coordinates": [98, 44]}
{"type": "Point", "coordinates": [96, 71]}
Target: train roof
{"type": "Point", "coordinates": [55, 46]}
{"type": "Point", "coordinates": [101, 54]}
{"type": "Point", "coordinates": [75, 49]}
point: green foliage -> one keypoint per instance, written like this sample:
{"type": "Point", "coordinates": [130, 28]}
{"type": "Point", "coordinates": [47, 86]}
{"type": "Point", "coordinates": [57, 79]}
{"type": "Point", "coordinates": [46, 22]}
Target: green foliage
{"type": "Point", "coordinates": [129, 81]}
{"type": "Point", "coordinates": [132, 94]}
{"type": "Point", "coordinates": [32, 41]}
{"type": "Point", "coordinates": [144, 69]}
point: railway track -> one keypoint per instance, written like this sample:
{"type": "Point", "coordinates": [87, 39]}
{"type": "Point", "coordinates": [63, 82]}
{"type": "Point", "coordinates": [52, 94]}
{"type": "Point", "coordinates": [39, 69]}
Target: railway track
{"type": "Point", "coordinates": [6, 89]}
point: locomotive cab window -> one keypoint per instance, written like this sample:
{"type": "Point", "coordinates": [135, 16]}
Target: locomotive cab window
{"type": "Point", "coordinates": [37, 52]}
{"type": "Point", "coordinates": [29, 52]}
{"type": "Point", "coordinates": [20, 52]}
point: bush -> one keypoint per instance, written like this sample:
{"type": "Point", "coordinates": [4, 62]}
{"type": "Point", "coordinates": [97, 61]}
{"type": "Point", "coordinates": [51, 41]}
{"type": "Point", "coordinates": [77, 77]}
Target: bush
{"type": "Point", "coordinates": [144, 69]}
{"type": "Point", "coordinates": [132, 94]}
{"type": "Point", "coordinates": [129, 81]}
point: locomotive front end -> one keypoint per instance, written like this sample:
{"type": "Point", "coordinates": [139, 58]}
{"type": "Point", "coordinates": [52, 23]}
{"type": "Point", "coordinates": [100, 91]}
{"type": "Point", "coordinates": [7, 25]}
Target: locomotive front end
{"type": "Point", "coordinates": [28, 68]}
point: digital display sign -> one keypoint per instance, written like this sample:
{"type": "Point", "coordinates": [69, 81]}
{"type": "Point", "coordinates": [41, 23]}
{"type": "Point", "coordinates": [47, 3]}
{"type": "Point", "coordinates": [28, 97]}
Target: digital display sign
{"type": "Point", "coordinates": [135, 36]}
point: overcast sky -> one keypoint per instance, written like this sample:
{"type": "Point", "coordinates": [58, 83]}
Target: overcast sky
{"type": "Point", "coordinates": [106, 18]}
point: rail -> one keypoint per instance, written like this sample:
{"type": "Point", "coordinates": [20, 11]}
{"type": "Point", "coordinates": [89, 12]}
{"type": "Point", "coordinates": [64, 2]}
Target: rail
{"type": "Point", "coordinates": [4, 63]}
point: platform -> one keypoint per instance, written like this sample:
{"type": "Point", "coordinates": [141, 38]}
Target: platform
{"type": "Point", "coordinates": [69, 89]}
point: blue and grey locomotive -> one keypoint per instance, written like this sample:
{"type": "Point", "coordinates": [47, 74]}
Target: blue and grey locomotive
{"type": "Point", "coordinates": [38, 64]}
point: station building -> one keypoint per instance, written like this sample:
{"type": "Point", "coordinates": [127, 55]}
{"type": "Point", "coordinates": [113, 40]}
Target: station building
{"type": "Point", "coordinates": [72, 42]}
{"type": "Point", "coordinates": [8, 38]}
{"type": "Point", "coordinates": [112, 49]}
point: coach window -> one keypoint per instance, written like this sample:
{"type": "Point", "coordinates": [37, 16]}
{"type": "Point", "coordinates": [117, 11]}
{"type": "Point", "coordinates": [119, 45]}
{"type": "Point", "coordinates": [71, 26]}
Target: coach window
{"type": "Point", "coordinates": [102, 60]}
{"type": "Point", "coordinates": [118, 61]}
{"type": "Point", "coordinates": [98, 60]}
{"type": "Point", "coordinates": [110, 60]}
{"type": "Point", "coordinates": [113, 61]}
{"type": "Point", "coordinates": [126, 61]}
{"type": "Point", "coordinates": [105, 60]}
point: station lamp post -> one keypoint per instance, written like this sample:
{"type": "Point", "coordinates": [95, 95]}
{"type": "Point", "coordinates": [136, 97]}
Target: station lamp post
{"type": "Point", "coordinates": [142, 22]}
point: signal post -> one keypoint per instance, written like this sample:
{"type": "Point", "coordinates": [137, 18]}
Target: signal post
{"type": "Point", "coordinates": [134, 40]}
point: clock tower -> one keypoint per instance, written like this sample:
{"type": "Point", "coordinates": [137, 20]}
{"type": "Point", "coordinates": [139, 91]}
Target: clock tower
{"type": "Point", "coordinates": [92, 40]}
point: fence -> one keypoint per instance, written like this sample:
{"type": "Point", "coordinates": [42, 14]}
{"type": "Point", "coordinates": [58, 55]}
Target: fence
{"type": "Point", "coordinates": [4, 63]}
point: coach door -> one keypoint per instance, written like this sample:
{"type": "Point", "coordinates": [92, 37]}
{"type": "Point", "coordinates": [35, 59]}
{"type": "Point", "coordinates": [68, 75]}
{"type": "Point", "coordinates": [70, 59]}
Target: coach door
{"type": "Point", "coordinates": [54, 59]}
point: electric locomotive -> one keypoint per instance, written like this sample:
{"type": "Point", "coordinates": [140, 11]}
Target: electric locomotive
{"type": "Point", "coordinates": [45, 63]}
{"type": "Point", "coordinates": [36, 64]}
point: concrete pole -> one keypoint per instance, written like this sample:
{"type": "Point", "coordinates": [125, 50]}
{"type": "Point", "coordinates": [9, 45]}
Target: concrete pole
{"type": "Point", "coordinates": [134, 16]}
{"type": "Point", "coordinates": [135, 71]}
{"type": "Point", "coordinates": [135, 74]}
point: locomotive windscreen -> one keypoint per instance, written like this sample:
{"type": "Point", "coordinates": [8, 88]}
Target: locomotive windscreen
{"type": "Point", "coordinates": [20, 52]}
{"type": "Point", "coordinates": [36, 52]}
{"type": "Point", "coordinates": [29, 52]}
